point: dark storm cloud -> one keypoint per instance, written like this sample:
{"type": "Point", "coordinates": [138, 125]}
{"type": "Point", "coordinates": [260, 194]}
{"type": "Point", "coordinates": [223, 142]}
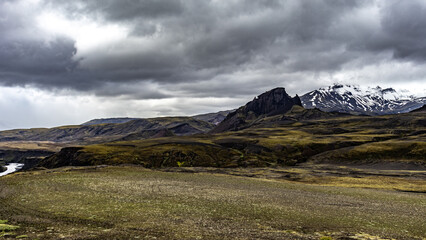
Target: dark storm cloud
{"type": "Point", "coordinates": [401, 31]}
{"type": "Point", "coordinates": [123, 10]}
{"type": "Point", "coordinates": [38, 58]}
{"type": "Point", "coordinates": [404, 26]}
{"type": "Point", "coordinates": [210, 39]}
{"type": "Point", "coordinates": [208, 48]}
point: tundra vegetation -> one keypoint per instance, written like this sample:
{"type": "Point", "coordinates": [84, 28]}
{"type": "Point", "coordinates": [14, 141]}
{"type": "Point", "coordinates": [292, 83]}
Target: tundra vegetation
{"type": "Point", "coordinates": [130, 202]}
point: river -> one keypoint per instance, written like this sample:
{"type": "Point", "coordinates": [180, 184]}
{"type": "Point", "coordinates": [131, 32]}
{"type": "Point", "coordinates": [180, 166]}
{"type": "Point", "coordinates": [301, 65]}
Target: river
{"type": "Point", "coordinates": [11, 167]}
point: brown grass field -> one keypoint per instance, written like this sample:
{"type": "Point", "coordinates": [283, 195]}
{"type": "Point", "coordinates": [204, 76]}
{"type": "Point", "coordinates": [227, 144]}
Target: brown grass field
{"type": "Point", "coordinates": [130, 202]}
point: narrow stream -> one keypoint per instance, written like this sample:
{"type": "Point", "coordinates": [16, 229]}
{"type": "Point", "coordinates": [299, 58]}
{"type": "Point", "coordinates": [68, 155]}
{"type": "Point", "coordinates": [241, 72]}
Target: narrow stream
{"type": "Point", "coordinates": [11, 168]}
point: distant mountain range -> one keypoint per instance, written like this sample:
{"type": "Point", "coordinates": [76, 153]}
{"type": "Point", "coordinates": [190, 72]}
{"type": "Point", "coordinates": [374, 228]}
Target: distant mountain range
{"type": "Point", "coordinates": [213, 118]}
{"type": "Point", "coordinates": [271, 130]}
{"type": "Point", "coordinates": [362, 100]}
{"type": "Point", "coordinates": [104, 130]}
{"type": "Point", "coordinates": [342, 99]}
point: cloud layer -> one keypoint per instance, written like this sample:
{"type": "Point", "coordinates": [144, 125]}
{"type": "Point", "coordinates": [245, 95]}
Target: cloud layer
{"type": "Point", "coordinates": [171, 49]}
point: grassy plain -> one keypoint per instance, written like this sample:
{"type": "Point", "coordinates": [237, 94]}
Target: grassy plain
{"type": "Point", "coordinates": [130, 202]}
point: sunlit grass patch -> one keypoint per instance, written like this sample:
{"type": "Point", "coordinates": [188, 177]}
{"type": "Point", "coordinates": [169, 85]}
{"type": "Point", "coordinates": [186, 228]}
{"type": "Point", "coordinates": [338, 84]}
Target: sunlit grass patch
{"type": "Point", "coordinates": [378, 182]}
{"type": "Point", "coordinates": [7, 229]}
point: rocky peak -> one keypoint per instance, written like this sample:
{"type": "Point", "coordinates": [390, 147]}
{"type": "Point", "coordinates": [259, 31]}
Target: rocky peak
{"type": "Point", "coordinates": [273, 102]}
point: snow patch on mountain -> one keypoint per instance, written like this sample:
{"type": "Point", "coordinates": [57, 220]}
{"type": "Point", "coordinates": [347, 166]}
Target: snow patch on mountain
{"type": "Point", "coordinates": [362, 100]}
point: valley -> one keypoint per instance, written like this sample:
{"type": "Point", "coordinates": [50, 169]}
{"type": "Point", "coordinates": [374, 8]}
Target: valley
{"type": "Point", "coordinates": [271, 169]}
{"type": "Point", "coordinates": [213, 120]}
{"type": "Point", "coordinates": [296, 137]}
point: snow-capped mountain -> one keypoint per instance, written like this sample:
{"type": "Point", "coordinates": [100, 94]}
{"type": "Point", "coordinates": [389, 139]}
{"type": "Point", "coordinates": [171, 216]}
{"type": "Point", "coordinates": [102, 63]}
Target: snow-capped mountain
{"type": "Point", "coordinates": [362, 100]}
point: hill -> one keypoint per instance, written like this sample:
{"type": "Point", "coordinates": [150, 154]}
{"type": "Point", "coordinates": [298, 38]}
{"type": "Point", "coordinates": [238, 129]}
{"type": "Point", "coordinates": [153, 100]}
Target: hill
{"type": "Point", "coordinates": [108, 120]}
{"type": "Point", "coordinates": [96, 133]}
{"type": "Point", "coordinates": [214, 118]}
{"type": "Point", "coordinates": [298, 136]}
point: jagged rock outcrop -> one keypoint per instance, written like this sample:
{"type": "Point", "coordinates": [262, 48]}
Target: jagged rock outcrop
{"type": "Point", "coordinates": [68, 156]}
{"type": "Point", "coordinates": [273, 102]}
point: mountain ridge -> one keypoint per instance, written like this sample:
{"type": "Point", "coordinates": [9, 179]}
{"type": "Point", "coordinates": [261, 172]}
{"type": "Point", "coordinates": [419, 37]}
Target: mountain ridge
{"type": "Point", "coordinates": [335, 98]}
{"type": "Point", "coordinates": [297, 136]}
{"type": "Point", "coordinates": [212, 117]}
{"type": "Point", "coordinates": [83, 134]}
{"type": "Point", "coordinates": [357, 100]}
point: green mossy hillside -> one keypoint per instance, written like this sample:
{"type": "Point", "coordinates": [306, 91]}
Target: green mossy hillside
{"type": "Point", "coordinates": [270, 141]}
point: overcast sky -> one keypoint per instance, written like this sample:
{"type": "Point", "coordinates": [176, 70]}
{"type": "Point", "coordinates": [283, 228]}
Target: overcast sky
{"type": "Point", "coordinates": [65, 62]}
